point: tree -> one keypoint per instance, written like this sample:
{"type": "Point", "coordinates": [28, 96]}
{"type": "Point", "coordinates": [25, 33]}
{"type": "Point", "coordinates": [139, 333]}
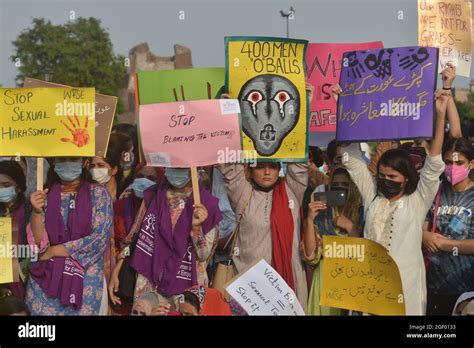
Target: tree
{"type": "Point", "coordinates": [78, 53]}
{"type": "Point", "coordinates": [466, 109]}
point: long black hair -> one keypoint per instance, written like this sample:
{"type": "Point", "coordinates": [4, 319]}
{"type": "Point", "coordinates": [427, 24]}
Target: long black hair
{"type": "Point", "coordinates": [461, 145]}
{"type": "Point", "coordinates": [13, 170]}
{"type": "Point", "coordinates": [399, 160]}
{"type": "Point", "coordinates": [118, 143]}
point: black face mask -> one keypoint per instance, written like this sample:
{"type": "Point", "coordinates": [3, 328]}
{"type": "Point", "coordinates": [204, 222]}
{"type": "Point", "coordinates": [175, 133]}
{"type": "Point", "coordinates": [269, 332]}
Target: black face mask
{"type": "Point", "coordinates": [388, 188]}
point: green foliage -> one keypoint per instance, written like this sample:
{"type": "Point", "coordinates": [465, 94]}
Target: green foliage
{"type": "Point", "coordinates": [466, 109]}
{"type": "Point", "coordinates": [78, 53]}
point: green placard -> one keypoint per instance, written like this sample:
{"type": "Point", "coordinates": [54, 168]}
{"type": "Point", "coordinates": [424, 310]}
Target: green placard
{"type": "Point", "coordinates": [164, 86]}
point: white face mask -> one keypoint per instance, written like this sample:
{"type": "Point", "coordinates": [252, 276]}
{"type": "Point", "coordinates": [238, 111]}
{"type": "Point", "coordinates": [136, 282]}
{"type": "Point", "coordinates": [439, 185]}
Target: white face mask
{"type": "Point", "coordinates": [101, 175]}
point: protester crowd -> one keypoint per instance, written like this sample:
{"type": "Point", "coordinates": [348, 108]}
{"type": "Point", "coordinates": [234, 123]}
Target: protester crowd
{"type": "Point", "coordinates": [134, 242]}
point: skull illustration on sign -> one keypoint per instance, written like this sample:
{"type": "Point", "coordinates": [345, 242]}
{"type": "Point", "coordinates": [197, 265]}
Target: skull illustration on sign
{"type": "Point", "coordinates": [270, 108]}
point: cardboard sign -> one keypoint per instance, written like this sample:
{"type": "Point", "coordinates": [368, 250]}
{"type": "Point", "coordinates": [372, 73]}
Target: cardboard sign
{"type": "Point", "coordinates": [262, 291]}
{"type": "Point", "coordinates": [191, 133]}
{"type": "Point", "coordinates": [6, 242]}
{"type": "Point", "coordinates": [267, 76]}
{"type": "Point", "coordinates": [359, 274]}
{"type": "Point", "coordinates": [324, 63]}
{"type": "Point", "coordinates": [447, 24]}
{"type": "Point", "coordinates": [47, 122]}
{"type": "Point", "coordinates": [105, 106]}
{"type": "Point", "coordinates": [387, 94]}
{"type": "Point", "coordinates": [178, 85]}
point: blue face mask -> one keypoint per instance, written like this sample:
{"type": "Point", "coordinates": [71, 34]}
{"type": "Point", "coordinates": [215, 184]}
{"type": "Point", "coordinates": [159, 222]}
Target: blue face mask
{"type": "Point", "coordinates": [140, 185]}
{"type": "Point", "coordinates": [177, 177]}
{"type": "Point", "coordinates": [68, 171]}
{"type": "Point", "coordinates": [7, 194]}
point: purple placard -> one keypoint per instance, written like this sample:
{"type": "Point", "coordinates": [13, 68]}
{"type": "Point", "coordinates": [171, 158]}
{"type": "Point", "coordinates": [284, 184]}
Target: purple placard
{"type": "Point", "coordinates": [387, 94]}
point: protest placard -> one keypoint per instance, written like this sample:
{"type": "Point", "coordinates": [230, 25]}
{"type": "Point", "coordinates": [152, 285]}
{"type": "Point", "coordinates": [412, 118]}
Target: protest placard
{"type": "Point", "coordinates": [387, 94]}
{"type": "Point", "coordinates": [6, 242]}
{"type": "Point", "coordinates": [47, 122]}
{"type": "Point", "coordinates": [182, 84]}
{"type": "Point", "coordinates": [191, 133]}
{"type": "Point", "coordinates": [447, 24]}
{"type": "Point", "coordinates": [105, 106]}
{"type": "Point", "coordinates": [267, 76]}
{"type": "Point", "coordinates": [324, 63]}
{"type": "Point", "coordinates": [359, 274]}
{"type": "Point", "coordinates": [260, 290]}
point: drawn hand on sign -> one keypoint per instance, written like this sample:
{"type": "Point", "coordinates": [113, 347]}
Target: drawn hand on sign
{"type": "Point", "coordinates": [381, 67]}
{"type": "Point", "coordinates": [413, 60]}
{"type": "Point", "coordinates": [80, 135]}
{"type": "Point", "coordinates": [354, 65]}
{"type": "Point", "coordinates": [270, 106]}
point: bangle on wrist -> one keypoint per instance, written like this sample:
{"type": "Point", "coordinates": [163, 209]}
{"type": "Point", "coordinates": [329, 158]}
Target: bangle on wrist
{"type": "Point", "coordinates": [447, 88]}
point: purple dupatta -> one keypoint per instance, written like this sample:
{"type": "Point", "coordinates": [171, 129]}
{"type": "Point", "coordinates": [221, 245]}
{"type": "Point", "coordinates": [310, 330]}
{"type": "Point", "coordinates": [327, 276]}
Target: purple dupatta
{"type": "Point", "coordinates": [63, 277]}
{"type": "Point", "coordinates": [166, 257]}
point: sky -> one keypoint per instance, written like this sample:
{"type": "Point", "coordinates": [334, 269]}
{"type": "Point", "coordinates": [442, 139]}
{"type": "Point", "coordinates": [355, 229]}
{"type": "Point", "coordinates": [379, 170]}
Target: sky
{"type": "Point", "coordinates": [206, 22]}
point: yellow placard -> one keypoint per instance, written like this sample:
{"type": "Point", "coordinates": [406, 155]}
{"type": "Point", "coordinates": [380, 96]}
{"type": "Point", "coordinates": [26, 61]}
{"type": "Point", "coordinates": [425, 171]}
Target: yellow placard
{"type": "Point", "coordinates": [447, 24]}
{"type": "Point", "coordinates": [6, 262]}
{"type": "Point", "coordinates": [47, 122]}
{"type": "Point", "coordinates": [359, 274]}
{"type": "Point", "coordinates": [267, 75]}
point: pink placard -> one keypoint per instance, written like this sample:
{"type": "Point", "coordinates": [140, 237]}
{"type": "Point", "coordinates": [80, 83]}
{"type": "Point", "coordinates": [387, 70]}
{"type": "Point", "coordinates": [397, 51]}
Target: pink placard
{"type": "Point", "coordinates": [323, 68]}
{"type": "Point", "coordinates": [190, 133]}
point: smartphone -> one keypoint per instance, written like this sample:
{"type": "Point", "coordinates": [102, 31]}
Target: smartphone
{"type": "Point", "coordinates": [331, 198]}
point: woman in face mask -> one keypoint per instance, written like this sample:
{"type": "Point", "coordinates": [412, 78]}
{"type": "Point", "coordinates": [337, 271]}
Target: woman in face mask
{"type": "Point", "coordinates": [397, 202]}
{"type": "Point", "coordinates": [13, 205]}
{"type": "Point", "coordinates": [125, 213]}
{"type": "Point", "coordinates": [176, 239]}
{"type": "Point", "coordinates": [105, 172]}
{"type": "Point", "coordinates": [71, 225]}
{"type": "Point", "coordinates": [128, 161]}
{"type": "Point", "coordinates": [321, 220]}
{"type": "Point", "coordinates": [271, 220]}
{"type": "Point", "coordinates": [451, 270]}
{"type": "Point", "coordinates": [108, 171]}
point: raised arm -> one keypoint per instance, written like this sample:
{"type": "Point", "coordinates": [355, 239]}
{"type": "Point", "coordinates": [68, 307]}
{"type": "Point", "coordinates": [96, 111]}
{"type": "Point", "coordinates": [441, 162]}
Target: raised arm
{"type": "Point", "coordinates": [352, 158]}
{"type": "Point", "coordinates": [448, 75]}
{"type": "Point", "coordinates": [434, 165]}
{"type": "Point", "coordinates": [297, 179]}
{"type": "Point", "coordinates": [237, 186]}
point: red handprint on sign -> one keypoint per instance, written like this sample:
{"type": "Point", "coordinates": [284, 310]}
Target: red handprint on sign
{"type": "Point", "coordinates": [80, 136]}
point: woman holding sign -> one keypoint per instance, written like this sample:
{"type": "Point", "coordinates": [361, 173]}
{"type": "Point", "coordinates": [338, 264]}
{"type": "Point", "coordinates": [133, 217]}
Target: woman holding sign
{"type": "Point", "coordinates": [397, 203]}
{"type": "Point", "coordinates": [13, 205]}
{"type": "Point", "coordinates": [71, 224]}
{"type": "Point", "coordinates": [175, 241]}
{"type": "Point", "coordinates": [346, 220]}
{"type": "Point", "coordinates": [270, 223]}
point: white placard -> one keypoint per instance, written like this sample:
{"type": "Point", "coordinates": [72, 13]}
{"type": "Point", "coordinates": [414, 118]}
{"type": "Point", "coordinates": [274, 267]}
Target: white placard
{"type": "Point", "coordinates": [262, 291]}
